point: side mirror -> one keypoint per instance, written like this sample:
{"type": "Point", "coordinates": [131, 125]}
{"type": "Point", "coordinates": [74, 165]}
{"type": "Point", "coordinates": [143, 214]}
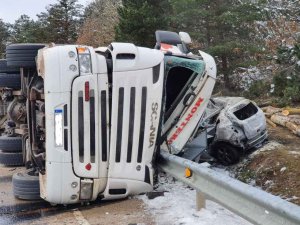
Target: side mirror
{"type": "Point", "coordinates": [185, 37]}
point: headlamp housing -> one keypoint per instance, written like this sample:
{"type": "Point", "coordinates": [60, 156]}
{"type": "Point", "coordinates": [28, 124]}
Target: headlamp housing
{"type": "Point", "coordinates": [85, 62]}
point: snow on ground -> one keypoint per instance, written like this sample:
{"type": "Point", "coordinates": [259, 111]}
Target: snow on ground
{"type": "Point", "coordinates": [178, 207]}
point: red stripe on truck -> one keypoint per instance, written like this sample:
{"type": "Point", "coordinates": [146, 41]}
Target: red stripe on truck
{"type": "Point", "coordinates": [186, 121]}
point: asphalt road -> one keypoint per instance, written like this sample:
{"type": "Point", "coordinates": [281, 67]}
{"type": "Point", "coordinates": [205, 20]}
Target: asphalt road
{"type": "Point", "coordinates": [13, 211]}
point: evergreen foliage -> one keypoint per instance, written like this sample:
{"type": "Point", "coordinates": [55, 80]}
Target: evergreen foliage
{"type": "Point", "coordinates": [4, 34]}
{"type": "Point", "coordinates": [223, 28]}
{"type": "Point", "coordinates": [26, 30]}
{"type": "Point", "coordinates": [287, 81]}
{"type": "Point", "coordinates": [139, 19]}
{"type": "Point", "coordinates": [61, 21]}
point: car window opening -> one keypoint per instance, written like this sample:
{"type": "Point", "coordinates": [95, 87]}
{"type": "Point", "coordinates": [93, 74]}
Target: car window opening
{"type": "Point", "coordinates": [246, 112]}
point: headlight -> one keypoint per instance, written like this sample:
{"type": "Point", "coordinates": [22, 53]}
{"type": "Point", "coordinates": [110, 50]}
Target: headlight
{"type": "Point", "coordinates": [85, 63]}
{"type": "Point", "coordinates": [58, 127]}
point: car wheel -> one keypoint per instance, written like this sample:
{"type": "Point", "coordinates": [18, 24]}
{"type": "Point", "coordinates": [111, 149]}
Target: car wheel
{"type": "Point", "coordinates": [225, 153]}
{"type": "Point", "coordinates": [11, 144]}
{"type": "Point", "coordinates": [11, 158]}
{"type": "Point", "coordinates": [26, 185]}
{"type": "Point", "coordinates": [22, 55]}
{"type": "Point", "coordinates": [5, 69]}
{"type": "Point", "coordinates": [10, 81]}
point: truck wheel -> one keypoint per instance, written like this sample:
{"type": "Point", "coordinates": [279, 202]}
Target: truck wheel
{"type": "Point", "coordinates": [225, 153]}
{"type": "Point", "coordinates": [11, 144]}
{"type": "Point", "coordinates": [11, 158]}
{"type": "Point", "coordinates": [26, 185]}
{"type": "Point", "coordinates": [22, 55]}
{"type": "Point", "coordinates": [10, 81]}
{"type": "Point", "coordinates": [5, 69]}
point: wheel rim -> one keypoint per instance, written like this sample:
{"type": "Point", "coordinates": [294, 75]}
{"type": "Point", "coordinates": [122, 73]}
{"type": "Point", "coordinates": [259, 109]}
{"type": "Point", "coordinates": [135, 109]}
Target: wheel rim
{"type": "Point", "coordinates": [224, 156]}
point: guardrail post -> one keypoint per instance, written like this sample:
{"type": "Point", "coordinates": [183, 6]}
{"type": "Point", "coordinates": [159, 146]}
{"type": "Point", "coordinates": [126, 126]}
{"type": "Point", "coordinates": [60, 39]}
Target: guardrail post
{"type": "Point", "coordinates": [200, 201]}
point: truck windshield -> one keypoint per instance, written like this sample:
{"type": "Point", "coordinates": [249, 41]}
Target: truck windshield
{"type": "Point", "coordinates": [181, 72]}
{"type": "Point", "coordinates": [177, 79]}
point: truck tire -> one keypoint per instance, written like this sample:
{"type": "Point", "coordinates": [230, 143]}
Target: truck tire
{"type": "Point", "coordinates": [11, 144]}
{"type": "Point", "coordinates": [10, 81]}
{"type": "Point", "coordinates": [5, 69]}
{"type": "Point", "coordinates": [11, 158]}
{"type": "Point", "coordinates": [26, 185]}
{"type": "Point", "coordinates": [22, 55]}
{"type": "Point", "coordinates": [225, 153]}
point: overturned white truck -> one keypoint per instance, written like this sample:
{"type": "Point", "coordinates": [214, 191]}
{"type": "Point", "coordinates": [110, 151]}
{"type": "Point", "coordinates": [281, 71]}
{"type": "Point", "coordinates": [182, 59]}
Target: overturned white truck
{"type": "Point", "coordinates": [95, 116]}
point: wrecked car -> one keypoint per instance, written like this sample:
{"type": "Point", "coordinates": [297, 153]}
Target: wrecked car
{"type": "Point", "coordinates": [194, 126]}
{"type": "Point", "coordinates": [238, 126]}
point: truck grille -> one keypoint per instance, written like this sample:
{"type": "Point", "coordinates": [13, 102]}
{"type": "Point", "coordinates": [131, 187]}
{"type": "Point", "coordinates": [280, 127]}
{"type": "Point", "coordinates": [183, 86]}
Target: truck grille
{"type": "Point", "coordinates": [142, 126]}
{"type": "Point", "coordinates": [132, 108]}
{"type": "Point", "coordinates": [131, 124]}
{"type": "Point", "coordinates": [82, 127]}
{"type": "Point", "coordinates": [120, 124]}
{"type": "Point", "coordinates": [103, 125]}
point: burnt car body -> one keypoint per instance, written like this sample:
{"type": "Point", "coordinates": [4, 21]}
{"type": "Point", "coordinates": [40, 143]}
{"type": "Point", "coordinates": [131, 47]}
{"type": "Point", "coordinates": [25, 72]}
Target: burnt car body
{"type": "Point", "coordinates": [237, 126]}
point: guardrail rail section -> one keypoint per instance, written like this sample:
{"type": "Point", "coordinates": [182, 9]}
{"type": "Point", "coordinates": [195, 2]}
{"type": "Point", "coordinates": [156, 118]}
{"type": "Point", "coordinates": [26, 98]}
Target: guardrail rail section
{"type": "Point", "coordinates": [254, 205]}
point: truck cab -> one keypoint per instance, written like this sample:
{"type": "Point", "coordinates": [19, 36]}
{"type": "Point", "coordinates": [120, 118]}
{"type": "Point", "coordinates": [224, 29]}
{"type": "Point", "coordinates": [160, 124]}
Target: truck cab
{"type": "Point", "coordinates": [97, 118]}
{"type": "Point", "coordinates": [102, 111]}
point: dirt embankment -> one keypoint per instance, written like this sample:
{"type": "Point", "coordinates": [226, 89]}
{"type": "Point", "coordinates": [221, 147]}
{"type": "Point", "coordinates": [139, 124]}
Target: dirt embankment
{"type": "Point", "coordinates": [276, 166]}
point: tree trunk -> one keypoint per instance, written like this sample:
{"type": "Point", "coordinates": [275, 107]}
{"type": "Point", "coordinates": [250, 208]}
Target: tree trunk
{"type": "Point", "coordinates": [225, 72]}
{"type": "Point", "coordinates": [269, 111]}
{"type": "Point", "coordinates": [271, 122]}
{"type": "Point", "coordinates": [291, 111]}
{"type": "Point", "coordinates": [279, 119]}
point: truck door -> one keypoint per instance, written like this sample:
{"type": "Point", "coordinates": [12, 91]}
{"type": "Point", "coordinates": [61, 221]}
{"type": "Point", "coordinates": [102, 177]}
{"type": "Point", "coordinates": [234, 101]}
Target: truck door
{"type": "Point", "coordinates": [188, 111]}
{"type": "Point", "coordinates": [89, 126]}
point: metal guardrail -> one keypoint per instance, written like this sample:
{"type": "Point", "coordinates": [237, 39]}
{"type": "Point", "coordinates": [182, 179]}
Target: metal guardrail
{"type": "Point", "coordinates": [252, 204]}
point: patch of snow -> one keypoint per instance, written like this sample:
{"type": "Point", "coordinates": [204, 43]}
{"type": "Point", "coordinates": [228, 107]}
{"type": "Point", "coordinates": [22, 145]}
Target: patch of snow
{"type": "Point", "coordinates": [291, 198]}
{"type": "Point", "coordinates": [244, 77]}
{"type": "Point", "coordinates": [269, 182]}
{"type": "Point", "coordinates": [252, 182]}
{"type": "Point", "coordinates": [205, 164]}
{"type": "Point", "coordinates": [294, 153]}
{"type": "Point", "coordinates": [224, 170]}
{"type": "Point", "coordinates": [272, 145]}
{"type": "Point", "coordinates": [283, 169]}
{"type": "Point", "coordinates": [178, 207]}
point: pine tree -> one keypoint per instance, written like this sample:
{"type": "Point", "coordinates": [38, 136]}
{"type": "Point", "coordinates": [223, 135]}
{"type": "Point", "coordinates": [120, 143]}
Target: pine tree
{"type": "Point", "coordinates": [224, 28]}
{"type": "Point", "coordinates": [61, 21]}
{"type": "Point", "coordinates": [287, 80]}
{"type": "Point", "coordinates": [139, 19]}
{"type": "Point", "coordinates": [4, 34]}
{"type": "Point", "coordinates": [26, 30]}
